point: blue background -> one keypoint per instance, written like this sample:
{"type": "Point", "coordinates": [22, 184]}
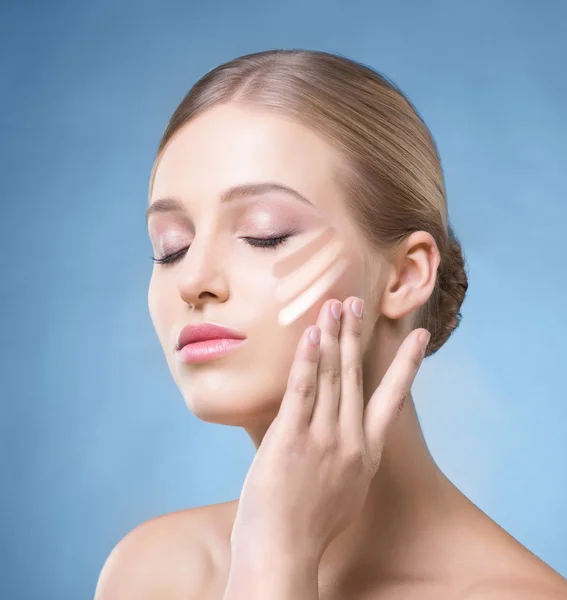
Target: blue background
{"type": "Point", "coordinates": [95, 437]}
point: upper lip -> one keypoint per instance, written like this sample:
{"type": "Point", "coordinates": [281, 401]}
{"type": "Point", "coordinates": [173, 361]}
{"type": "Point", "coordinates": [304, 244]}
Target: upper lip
{"type": "Point", "coordinates": [206, 331]}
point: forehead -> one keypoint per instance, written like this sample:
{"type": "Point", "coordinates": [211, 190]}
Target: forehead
{"type": "Point", "coordinates": [229, 144]}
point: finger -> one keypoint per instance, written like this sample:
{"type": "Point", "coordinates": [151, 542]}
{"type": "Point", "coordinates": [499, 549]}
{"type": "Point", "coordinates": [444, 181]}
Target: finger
{"type": "Point", "coordinates": [389, 398]}
{"type": "Point", "coordinates": [351, 403]}
{"type": "Point", "coordinates": [325, 411]}
{"type": "Point", "coordinates": [297, 404]}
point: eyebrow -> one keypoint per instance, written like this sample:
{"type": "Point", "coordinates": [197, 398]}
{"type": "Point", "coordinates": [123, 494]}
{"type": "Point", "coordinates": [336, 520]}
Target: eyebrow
{"type": "Point", "coordinates": [244, 190]}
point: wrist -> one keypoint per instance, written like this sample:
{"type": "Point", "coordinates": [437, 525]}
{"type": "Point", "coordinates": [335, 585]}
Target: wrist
{"type": "Point", "coordinates": [262, 555]}
{"type": "Point", "coordinates": [256, 574]}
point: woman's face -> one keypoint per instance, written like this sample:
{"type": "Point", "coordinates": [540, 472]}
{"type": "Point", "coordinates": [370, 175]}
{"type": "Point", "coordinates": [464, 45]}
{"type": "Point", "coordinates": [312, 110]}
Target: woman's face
{"type": "Point", "coordinates": [222, 274]}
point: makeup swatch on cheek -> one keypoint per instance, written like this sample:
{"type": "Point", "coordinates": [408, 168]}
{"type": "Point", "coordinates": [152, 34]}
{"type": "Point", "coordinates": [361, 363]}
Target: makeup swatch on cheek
{"type": "Point", "coordinates": [307, 274]}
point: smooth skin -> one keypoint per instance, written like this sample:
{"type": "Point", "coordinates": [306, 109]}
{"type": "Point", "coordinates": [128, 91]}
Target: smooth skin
{"type": "Point", "coordinates": [412, 534]}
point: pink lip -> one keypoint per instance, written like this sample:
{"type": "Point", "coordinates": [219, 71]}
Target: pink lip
{"type": "Point", "coordinates": [199, 352]}
{"type": "Point", "coordinates": [207, 341]}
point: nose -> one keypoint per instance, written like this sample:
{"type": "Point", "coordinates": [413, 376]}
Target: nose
{"type": "Point", "coordinates": [202, 276]}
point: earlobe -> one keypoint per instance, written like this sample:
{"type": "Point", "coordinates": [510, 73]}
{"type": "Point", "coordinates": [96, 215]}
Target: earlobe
{"type": "Point", "coordinates": [396, 301]}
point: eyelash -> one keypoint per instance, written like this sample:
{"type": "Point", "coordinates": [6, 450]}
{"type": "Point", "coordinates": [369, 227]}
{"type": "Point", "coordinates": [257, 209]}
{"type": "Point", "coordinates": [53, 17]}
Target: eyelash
{"type": "Point", "coordinates": [270, 243]}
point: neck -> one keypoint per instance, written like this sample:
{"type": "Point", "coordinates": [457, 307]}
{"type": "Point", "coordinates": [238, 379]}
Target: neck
{"type": "Point", "coordinates": [407, 498]}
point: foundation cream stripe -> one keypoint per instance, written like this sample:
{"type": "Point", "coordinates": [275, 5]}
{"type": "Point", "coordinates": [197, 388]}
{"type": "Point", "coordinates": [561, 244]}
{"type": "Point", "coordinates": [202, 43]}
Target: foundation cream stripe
{"type": "Point", "coordinates": [303, 276]}
{"type": "Point", "coordinates": [303, 303]}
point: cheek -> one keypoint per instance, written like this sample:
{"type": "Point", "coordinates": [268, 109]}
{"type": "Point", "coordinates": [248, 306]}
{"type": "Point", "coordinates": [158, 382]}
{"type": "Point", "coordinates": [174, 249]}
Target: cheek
{"type": "Point", "coordinates": [159, 300]}
{"type": "Point", "coordinates": [351, 283]}
{"type": "Point", "coordinates": [332, 273]}
{"type": "Point", "coordinates": [348, 284]}
{"type": "Point", "coordinates": [153, 304]}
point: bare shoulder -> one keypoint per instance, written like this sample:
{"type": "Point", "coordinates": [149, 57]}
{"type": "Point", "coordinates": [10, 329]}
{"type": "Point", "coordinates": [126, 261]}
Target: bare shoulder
{"type": "Point", "coordinates": [524, 576]}
{"type": "Point", "coordinates": [171, 556]}
{"type": "Point", "coordinates": [520, 589]}
{"type": "Point", "coordinates": [498, 566]}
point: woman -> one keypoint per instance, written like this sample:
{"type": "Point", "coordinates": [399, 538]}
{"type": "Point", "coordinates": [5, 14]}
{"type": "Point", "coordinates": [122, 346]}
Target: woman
{"type": "Point", "coordinates": [288, 182]}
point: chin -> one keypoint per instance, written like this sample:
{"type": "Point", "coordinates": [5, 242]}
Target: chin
{"type": "Point", "coordinates": [239, 400]}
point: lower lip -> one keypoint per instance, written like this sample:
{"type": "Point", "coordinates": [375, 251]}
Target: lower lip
{"type": "Point", "coordinates": [199, 352]}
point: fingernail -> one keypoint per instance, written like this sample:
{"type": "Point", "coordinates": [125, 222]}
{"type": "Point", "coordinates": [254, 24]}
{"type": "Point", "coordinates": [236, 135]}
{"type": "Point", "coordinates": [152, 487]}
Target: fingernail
{"type": "Point", "coordinates": [357, 307]}
{"type": "Point", "coordinates": [336, 309]}
{"type": "Point", "coordinates": [315, 335]}
{"type": "Point", "coordinates": [424, 338]}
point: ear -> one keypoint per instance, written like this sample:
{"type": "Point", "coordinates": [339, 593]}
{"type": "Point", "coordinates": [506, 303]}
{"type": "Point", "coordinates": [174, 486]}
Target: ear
{"type": "Point", "coordinates": [413, 276]}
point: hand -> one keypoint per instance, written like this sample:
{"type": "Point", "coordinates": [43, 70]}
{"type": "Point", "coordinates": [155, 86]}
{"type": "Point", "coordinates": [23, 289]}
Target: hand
{"type": "Point", "coordinates": [313, 469]}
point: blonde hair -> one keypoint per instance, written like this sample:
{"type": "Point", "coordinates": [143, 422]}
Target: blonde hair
{"type": "Point", "coordinates": [392, 175]}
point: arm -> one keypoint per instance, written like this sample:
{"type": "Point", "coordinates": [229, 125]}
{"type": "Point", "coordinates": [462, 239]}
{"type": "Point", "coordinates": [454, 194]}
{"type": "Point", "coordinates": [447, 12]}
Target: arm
{"type": "Point", "coordinates": [274, 575]}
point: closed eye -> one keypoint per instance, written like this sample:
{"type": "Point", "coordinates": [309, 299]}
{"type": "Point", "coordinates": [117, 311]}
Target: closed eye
{"type": "Point", "coordinates": [270, 242]}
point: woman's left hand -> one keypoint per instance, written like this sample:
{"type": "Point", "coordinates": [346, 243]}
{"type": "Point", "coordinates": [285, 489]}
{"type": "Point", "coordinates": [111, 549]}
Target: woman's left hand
{"type": "Point", "coordinates": [311, 474]}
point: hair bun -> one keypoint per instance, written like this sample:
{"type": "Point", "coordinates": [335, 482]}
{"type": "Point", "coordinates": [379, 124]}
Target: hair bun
{"type": "Point", "coordinates": [452, 288]}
